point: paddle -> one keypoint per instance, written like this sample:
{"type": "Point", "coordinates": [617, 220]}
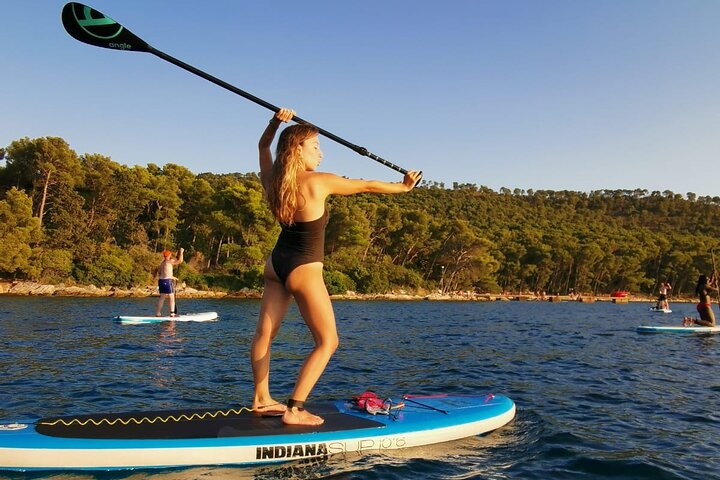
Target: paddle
{"type": "Point", "coordinates": [715, 277]}
{"type": "Point", "coordinates": [94, 28]}
{"type": "Point", "coordinates": [175, 310]}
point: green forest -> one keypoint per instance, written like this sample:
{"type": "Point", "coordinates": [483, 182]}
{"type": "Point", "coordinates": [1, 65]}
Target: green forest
{"type": "Point", "coordinates": [85, 219]}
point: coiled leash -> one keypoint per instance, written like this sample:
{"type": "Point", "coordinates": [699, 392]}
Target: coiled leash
{"type": "Point", "coordinates": [374, 405]}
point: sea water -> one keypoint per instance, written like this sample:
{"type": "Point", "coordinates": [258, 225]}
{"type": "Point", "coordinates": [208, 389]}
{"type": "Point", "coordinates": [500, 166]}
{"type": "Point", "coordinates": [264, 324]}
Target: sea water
{"type": "Point", "coordinates": [595, 399]}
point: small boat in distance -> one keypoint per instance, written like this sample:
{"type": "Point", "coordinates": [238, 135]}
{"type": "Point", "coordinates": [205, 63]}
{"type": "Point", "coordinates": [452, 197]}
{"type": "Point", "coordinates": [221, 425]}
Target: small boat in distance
{"type": "Point", "coordinates": [620, 293]}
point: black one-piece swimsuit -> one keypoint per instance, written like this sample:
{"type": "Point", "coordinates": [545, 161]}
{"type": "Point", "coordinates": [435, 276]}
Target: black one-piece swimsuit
{"type": "Point", "coordinates": [298, 244]}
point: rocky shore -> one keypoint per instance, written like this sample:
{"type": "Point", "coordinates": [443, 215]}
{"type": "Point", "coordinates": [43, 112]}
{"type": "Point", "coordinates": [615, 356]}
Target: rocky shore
{"type": "Point", "coordinates": [38, 289]}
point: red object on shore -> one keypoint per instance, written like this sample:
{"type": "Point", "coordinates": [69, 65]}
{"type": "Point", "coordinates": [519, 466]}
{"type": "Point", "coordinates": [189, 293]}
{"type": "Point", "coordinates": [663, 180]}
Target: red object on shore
{"type": "Point", "coordinates": [620, 293]}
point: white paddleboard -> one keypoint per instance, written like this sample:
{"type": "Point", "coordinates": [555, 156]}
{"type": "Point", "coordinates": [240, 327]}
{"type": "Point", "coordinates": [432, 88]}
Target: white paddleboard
{"type": "Point", "coordinates": [185, 317]}
{"type": "Point", "coordinates": [660, 310]}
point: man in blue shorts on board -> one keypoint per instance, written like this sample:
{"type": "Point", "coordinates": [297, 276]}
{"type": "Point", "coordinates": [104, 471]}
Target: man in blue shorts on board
{"type": "Point", "coordinates": [166, 281]}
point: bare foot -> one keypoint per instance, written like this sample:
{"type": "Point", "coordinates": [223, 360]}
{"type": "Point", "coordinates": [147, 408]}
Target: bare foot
{"type": "Point", "coordinates": [270, 409]}
{"type": "Point", "coordinates": [300, 416]}
{"type": "Point", "coordinates": [688, 321]}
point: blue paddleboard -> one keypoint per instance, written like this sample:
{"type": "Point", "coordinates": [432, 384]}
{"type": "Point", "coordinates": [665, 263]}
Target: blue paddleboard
{"type": "Point", "coordinates": [237, 436]}
{"type": "Point", "coordinates": [676, 329]}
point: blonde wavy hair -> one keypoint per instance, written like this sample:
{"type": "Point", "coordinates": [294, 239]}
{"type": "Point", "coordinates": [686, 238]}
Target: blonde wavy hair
{"type": "Point", "coordinates": [282, 194]}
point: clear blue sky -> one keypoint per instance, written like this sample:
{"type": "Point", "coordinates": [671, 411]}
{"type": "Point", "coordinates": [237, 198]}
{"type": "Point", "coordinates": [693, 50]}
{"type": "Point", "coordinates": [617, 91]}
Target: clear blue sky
{"type": "Point", "coordinates": [529, 94]}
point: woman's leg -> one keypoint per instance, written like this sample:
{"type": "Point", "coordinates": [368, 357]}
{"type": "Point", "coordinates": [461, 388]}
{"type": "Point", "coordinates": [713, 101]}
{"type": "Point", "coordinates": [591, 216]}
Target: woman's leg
{"type": "Point", "coordinates": [274, 306]}
{"type": "Point", "coordinates": [707, 317]}
{"type": "Point", "coordinates": [307, 286]}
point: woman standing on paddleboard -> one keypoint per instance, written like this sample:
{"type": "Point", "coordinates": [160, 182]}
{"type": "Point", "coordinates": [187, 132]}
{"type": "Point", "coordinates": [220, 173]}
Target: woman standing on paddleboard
{"type": "Point", "coordinates": [296, 194]}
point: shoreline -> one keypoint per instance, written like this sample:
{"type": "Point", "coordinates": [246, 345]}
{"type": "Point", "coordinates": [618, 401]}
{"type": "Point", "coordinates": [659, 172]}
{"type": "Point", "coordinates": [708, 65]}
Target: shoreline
{"type": "Point", "coordinates": [22, 288]}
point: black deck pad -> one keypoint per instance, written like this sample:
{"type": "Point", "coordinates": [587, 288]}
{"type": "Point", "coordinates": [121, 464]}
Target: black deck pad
{"type": "Point", "coordinates": [199, 423]}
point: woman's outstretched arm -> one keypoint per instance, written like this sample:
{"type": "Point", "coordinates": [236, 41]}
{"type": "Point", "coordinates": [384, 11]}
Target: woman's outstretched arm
{"type": "Point", "coordinates": [336, 185]}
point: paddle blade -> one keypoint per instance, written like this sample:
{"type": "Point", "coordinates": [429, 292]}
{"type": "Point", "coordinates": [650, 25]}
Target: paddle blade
{"type": "Point", "coordinates": [89, 26]}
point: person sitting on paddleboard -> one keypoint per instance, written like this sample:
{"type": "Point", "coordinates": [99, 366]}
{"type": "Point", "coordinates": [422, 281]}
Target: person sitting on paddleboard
{"type": "Point", "coordinates": [165, 281]}
{"type": "Point", "coordinates": [703, 289]}
{"type": "Point", "coordinates": [296, 195]}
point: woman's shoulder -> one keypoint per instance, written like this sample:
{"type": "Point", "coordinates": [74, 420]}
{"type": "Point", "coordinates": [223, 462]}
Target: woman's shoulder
{"type": "Point", "coordinates": [320, 176]}
{"type": "Point", "coordinates": [315, 180]}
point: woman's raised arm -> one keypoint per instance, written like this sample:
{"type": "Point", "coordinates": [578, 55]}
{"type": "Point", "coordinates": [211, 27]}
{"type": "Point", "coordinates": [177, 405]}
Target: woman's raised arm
{"type": "Point", "coordinates": [266, 139]}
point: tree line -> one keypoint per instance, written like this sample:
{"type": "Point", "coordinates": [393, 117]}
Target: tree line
{"type": "Point", "coordinates": [69, 218]}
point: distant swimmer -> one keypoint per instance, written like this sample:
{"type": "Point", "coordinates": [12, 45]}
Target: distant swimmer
{"type": "Point", "coordinates": [166, 281]}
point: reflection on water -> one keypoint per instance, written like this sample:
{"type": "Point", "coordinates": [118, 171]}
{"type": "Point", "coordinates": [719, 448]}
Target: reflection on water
{"type": "Point", "coordinates": [169, 345]}
{"type": "Point", "coordinates": [595, 399]}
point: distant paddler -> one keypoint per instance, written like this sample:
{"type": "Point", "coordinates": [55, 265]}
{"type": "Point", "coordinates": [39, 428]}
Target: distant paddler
{"type": "Point", "coordinates": [703, 290]}
{"type": "Point", "coordinates": [166, 281]}
{"type": "Point", "coordinates": [662, 301]}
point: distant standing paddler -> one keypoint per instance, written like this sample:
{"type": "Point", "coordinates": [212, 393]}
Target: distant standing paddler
{"type": "Point", "coordinates": [662, 302]}
{"type": "Point", "coordinates": [166, 280]}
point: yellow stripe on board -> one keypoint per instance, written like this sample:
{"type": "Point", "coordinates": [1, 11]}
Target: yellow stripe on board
{"type": "Point", "coordinates": [169, 418]}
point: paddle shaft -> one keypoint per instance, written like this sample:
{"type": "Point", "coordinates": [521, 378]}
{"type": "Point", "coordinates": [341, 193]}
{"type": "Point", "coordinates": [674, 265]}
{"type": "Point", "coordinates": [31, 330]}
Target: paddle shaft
{"type": "Point", "coordinates": [361, 150]}
{"type": "Point", "coordinates": [175, 310]}
{"type": "Point", "coordinates": [712, 255]}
